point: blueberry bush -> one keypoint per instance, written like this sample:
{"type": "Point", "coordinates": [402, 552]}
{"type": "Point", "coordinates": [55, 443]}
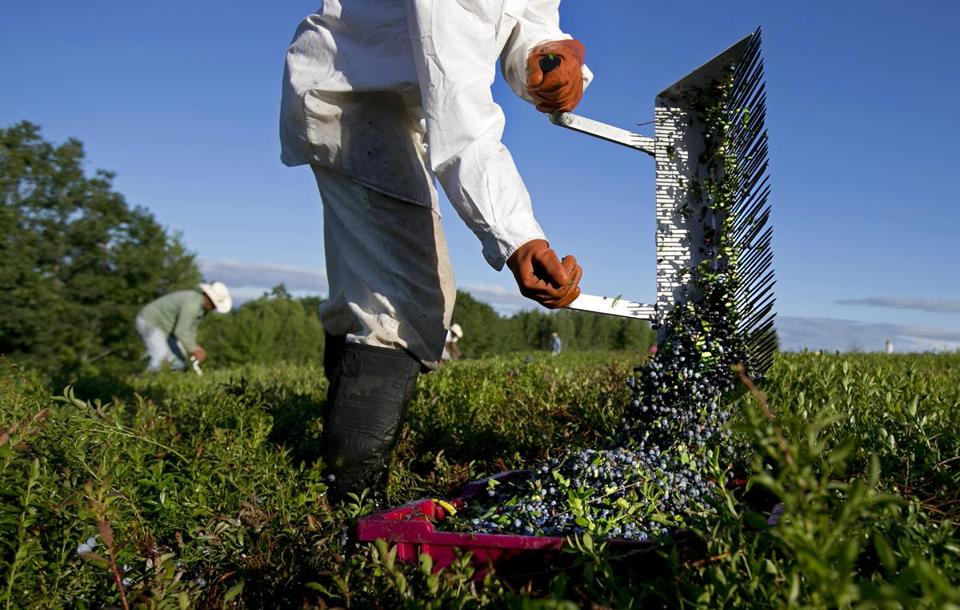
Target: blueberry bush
{"type": "Point", "coordinates": [184, 492]}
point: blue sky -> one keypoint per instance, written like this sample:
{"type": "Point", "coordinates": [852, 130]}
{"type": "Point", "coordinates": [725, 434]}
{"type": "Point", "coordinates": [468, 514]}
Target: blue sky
{"type": "Point", "coordinates": [181, 100]}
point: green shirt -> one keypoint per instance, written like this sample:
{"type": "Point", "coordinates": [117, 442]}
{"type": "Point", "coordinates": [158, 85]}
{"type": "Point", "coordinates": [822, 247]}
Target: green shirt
{"type": "Point", "coordinates": [179, 314]}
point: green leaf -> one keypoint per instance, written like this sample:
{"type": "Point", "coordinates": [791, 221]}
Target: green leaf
{"type": "Point", "coordinates": [426, 564]}
{"type": "Point", "coordinates": [840, 454]}
{"type": "Point", "coordinates": [382, 547]}
{"type": "Point", "coordinates": [754, 521]}
{"type": "Point", "coordinates": [885, 552]}
{"type": "Point", "coordinates": [233, 592]}
{"type": "Point", "coordinates": [318, 587]}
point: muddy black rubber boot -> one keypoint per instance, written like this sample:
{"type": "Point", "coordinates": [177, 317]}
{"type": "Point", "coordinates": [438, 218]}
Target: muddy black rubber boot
{"type": "Point", "coordinates": [365, 409]}
{"type": "Point", "coordinates": [332, 357]}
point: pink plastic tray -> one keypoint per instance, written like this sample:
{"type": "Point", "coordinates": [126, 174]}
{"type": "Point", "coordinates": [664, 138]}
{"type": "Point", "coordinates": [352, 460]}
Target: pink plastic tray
{"type": "Point", "coordinates": [410, 528]}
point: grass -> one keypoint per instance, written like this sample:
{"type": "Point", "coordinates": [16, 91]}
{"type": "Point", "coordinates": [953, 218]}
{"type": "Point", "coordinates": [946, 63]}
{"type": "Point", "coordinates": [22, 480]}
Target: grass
{"type": "Point", "coordinates": [206, 492]}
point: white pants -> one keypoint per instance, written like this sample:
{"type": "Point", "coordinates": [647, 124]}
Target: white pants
{"type": "Point", "coordinates": [390, 279]}
{"type": "Point", "coordinates": [161, 347]}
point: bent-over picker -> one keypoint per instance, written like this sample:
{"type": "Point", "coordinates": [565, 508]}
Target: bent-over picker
{"type": "Point", "coordinates": [683, 159]}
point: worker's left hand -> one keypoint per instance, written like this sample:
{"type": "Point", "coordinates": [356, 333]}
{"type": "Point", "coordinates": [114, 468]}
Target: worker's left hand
{"type": "Point", "coordinates": [543, 277]}
{"type": "Point", "coordinates": [558, 89]}
{"type": "Point", "coordinates": [199, 353]}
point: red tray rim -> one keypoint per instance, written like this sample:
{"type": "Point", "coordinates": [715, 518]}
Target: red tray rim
{"type": "Point", "coordinates": [412, 523]}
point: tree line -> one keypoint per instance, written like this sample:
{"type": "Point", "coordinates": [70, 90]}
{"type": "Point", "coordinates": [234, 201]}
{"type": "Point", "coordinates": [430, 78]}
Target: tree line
{"type": "Point", "coordinates": [486, 332]}
{"type": "Point", "coordinates": [280, 327]}
{"type": "Point", "coordinates": [77, 263]}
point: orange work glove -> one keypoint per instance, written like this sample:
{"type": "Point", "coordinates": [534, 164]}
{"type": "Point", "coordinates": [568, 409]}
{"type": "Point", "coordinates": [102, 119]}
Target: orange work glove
{"type": "Point", "coordinates": [554, 78]}
{"type": "Point", "coordinates": [544, 278]}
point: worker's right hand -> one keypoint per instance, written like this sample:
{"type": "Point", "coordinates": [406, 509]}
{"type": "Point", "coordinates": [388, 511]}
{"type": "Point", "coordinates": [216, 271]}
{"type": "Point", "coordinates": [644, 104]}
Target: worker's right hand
{"type": "Point", "coordinates": [199, 353]}
{"type": "Point", "coordinates": [544, 278]}
{"type": "Point", "coordinates": [555, 75]}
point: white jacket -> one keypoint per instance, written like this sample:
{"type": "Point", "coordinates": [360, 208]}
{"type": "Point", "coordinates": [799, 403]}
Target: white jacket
{"type": "Point", "coordinates": [393, 92]}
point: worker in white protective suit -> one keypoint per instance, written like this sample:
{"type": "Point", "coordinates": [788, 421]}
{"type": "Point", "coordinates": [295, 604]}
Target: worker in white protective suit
{"type": "Point", "coordinates": [381, 97]}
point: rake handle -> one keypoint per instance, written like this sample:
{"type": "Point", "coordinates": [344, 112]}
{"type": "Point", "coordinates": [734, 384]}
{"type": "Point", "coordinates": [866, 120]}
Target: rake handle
{"type": "Point", "coordinates": [549, 63]}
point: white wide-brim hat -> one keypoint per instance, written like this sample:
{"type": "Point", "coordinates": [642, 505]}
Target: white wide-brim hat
{"type": "Point", "coordinates": [219, 295]}
{"type": "Point", "coordinates": [457, 331]}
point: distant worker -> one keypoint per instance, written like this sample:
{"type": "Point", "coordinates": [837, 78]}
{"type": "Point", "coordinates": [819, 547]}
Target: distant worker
{"type": "Point", "coordinates": [168, 325]}
{"type": "Point", "coordinates": [889, 347]}
{"type": "Point", "coordinates": [555, 344]}
{"type": "Point", "coordinates": [383, 99]}
{"type": "Point", "coordinates": [451, 348]}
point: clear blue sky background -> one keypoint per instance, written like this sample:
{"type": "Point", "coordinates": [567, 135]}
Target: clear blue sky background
{"type": "Point", "coordinates": [181, 100]}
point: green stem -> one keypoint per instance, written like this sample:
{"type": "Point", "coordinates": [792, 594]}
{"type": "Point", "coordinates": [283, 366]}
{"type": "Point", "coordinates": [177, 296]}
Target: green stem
{"type": "Point", "coordinates": [22, 530]}
{"type": "Point", "coordinates": [127, 433]}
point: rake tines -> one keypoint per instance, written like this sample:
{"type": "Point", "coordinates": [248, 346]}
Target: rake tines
{"type": "Point", "coordinates": [746, 112]}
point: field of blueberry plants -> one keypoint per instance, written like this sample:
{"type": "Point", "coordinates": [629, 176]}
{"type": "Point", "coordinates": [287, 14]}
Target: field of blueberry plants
{"type": "Point", "coordinates": [182, 492]}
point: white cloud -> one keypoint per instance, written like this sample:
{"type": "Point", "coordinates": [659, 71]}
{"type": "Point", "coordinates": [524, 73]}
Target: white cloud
{"type": "Point", "coordinates": [934, 305]}
{"type": "Point", "coordinates": [248, 281]}
{"type": "Point", "coordinates": [242, 294]}
{"type": "Point", "coordinates": [830, 334]}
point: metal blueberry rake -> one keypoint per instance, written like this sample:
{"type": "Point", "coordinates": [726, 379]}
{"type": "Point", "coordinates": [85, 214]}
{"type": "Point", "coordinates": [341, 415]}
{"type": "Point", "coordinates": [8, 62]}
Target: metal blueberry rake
{"type": "Point", "coordinates": [688, 217]}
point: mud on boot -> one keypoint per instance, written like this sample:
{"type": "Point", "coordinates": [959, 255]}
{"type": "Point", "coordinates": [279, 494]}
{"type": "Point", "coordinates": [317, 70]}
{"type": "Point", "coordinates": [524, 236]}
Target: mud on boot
{"type": "Point", "coordinates": [369, 392]}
